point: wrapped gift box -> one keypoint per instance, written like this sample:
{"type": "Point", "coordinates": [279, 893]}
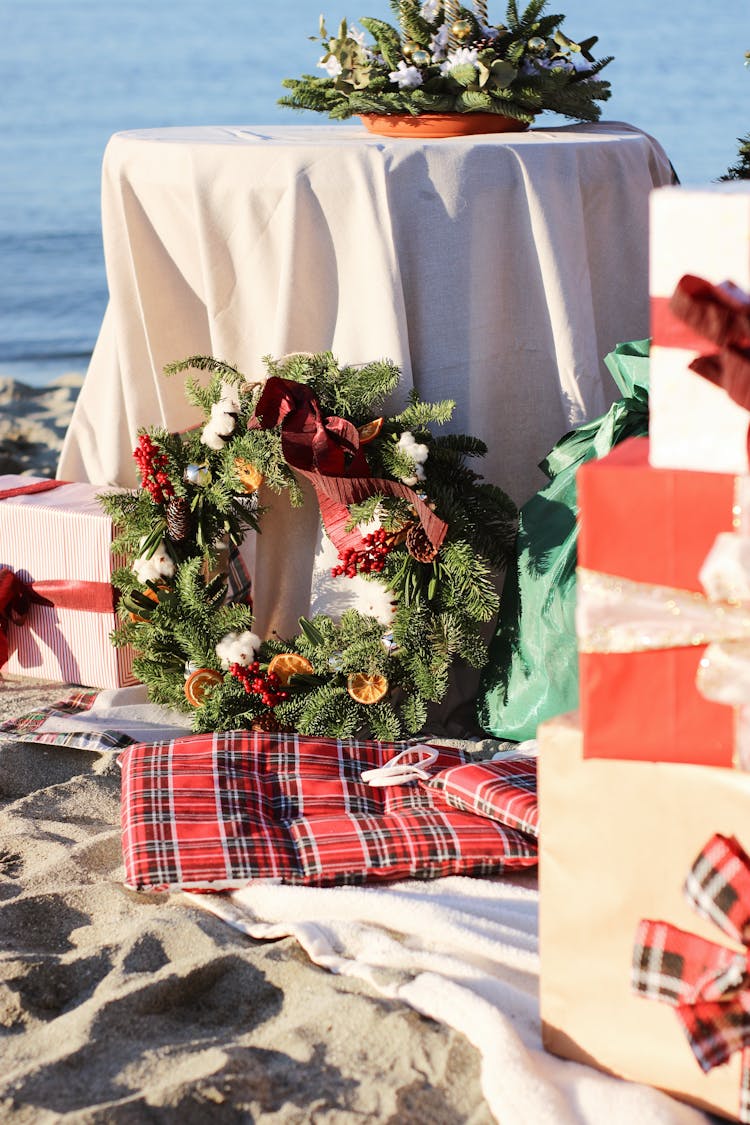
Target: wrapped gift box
{"type": "Point", "coordinates": [704, 232]}
{"type": "Point", "coordinates": [57, 541]}
{"type": "Point", "coordinates": [617, 841]}
{"type": "Point", "coordinates": [651, 526]}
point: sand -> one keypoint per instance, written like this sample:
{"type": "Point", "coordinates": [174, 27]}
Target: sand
{"type": "Point", "coordinates": [33, 421]}
{"type": "Point", "coordinates": [124, 1008]}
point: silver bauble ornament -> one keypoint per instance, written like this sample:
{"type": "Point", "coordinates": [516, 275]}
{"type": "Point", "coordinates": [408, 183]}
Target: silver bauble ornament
{"type": "Point", "coordinates": [199, 475]}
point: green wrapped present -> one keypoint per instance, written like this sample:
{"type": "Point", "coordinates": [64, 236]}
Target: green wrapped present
{"type": "Point", "coordinates": [532, 674]}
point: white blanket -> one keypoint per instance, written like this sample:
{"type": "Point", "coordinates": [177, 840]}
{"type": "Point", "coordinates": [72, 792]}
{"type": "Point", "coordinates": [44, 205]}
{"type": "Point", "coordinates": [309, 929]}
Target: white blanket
{"type": "Point", "coordinates": [464, 952]}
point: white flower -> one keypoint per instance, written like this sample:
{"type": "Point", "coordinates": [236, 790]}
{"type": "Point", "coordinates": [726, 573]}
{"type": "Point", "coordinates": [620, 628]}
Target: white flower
{"type": "Point", "coordinates": [430, 10]}
{"type": "Point", "coordinates": [238, 648]}
{"type": "Point", "coordinates": [462, 56]}
{"type": "Point", "coordinates": [357, 35]}
{"type": "Point", "coordinates": [331, 65]}
{"type": "Point", "coordinates": [578, 61]}
{"type": "Point", "coordinates": [439, 43]}
{"type": "Point", "coordinates": [406, 76]}
{"type": "Point", "coordinates": [150, 568]}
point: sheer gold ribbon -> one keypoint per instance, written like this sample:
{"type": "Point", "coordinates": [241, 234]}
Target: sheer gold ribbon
{"type": "Point", "coordinates": [618, 615]}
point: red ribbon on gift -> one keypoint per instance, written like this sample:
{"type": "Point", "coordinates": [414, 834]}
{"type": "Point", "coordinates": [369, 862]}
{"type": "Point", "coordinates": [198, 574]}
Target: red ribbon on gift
{"type": "Point", "coordinates": [36, 486]}
{"type": "Point", "coordinates": [17, 595]}
{"type": "Point", "coordinates": [327, 451]}
{"type": "Point", "coordinates": [707, 984]}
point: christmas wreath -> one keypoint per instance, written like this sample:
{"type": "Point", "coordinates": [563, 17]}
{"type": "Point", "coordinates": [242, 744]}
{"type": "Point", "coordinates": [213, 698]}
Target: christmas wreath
{"type": "Point", "coordinates": [401, 505]}
{"type": "Point", "coordinates": [448, 58]}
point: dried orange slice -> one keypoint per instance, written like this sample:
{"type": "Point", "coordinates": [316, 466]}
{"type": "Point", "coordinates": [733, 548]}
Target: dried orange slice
{"type": "Point", "coordinates": [367, 687]}
{"type": "Point", "coordinates": [250, 478]}
{"type": "Point", "coordinates": [148, 593]}
{"type": "Point", "coordinates": [198, 683]}
{"type": "Point", "coordinates": [288, 664]}
{"type": "Point", "coordinates": [370, 430]}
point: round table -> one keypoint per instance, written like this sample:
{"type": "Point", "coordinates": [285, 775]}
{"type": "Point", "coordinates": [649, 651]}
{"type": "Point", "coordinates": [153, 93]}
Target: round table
{"type": "Point", "coordinates": [497, 270]}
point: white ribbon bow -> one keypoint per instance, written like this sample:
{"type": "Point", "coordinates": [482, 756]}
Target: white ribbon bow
{"type": "Point", "coordinates": [398, 770]}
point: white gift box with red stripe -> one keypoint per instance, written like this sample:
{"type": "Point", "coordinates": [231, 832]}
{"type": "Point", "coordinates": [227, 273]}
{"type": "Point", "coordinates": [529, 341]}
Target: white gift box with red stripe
{"type": "Point", "coordinates": [705, 232]}
{"type": "Point", "coordinates": [55, 553]}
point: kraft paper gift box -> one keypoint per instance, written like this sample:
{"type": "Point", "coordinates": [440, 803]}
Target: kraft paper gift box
{"type": "Point", "coordinates": [55, 556]}
{"type": "Point", "coordinates": [652, 528]}
{"type": "Point", "coordinates": [617, 841]}
{"type": "Point", "coordinates": [704, 232]}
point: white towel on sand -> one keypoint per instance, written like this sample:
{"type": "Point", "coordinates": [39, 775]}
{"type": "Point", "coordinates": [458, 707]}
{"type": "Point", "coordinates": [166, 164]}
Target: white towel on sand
{"type": "Point", "coordinates": [464, 952]}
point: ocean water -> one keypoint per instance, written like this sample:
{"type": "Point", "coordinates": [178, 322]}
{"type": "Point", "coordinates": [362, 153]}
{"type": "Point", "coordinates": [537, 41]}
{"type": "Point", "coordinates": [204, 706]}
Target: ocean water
{"type": "Point", "coordinates": [74, 72]}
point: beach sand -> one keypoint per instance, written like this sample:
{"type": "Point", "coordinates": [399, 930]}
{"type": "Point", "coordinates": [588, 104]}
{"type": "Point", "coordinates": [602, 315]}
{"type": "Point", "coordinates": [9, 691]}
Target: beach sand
{"type": "Point", "coordinates": [125, 1008]}
{"type": "Point", "coordinates": [120, 1007]}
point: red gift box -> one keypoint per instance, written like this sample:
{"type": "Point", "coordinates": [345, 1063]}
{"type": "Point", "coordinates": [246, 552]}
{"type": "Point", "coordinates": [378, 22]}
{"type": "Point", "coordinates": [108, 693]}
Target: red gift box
{"type": "Point", "coordinates": [57, 606]}
{"type": "Point", "coordinates": [653, 526]}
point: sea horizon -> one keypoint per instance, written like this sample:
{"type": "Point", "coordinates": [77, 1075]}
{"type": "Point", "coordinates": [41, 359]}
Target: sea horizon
{"type": "Point", "coordinates": [76, 74]}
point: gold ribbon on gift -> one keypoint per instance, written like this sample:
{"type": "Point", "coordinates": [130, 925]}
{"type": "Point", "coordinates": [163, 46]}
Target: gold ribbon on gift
{"type": "Point", "coordinates": [619, 615]}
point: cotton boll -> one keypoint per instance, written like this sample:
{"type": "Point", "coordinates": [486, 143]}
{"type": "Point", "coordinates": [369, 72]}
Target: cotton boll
{"type": "Point", "coordinates": [238, 648]}
{"type": "Point", "coordinates": [154, 567]}
{"type": "Point", "coordinates": [418, 453]}
{"type": "Point", "coordinates": [223, 420]}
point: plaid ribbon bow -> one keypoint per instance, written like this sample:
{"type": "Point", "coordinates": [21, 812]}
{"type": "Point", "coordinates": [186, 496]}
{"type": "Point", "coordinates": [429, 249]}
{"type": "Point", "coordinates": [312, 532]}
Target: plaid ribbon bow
{"type": "Point", "coordinates": [707, 984]}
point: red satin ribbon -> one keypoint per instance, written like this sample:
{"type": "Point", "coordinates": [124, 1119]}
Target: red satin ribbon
{"type": "Point", "coordinates": [327, 452]}
{"type": "Point", "coordinates": [37, 486]}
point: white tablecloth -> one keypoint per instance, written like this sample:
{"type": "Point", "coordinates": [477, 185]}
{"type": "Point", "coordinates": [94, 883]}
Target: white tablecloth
{"type": "Point", "coordinates": [496, 270]}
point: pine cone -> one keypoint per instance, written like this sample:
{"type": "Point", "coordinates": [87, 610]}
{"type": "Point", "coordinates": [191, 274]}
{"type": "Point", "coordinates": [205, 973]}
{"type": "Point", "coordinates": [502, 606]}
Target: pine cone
{"type": "Point", "coordinates": [178, 519]}
{"type": "Point", "coordinates": [418, 545]}
{"type": "Point", "coordinates": [268, 723]}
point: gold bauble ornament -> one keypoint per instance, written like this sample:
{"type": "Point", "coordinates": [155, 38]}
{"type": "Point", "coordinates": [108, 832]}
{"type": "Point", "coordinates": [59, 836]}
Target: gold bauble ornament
{"type": "Point", "coordinates": [408, 48]}
{"type": "Point", "coordinates": [421, 58]}
{"type": "Point", "coordinates": [462, 29]}
{"type": "Point", "coordinates": [536, 44]}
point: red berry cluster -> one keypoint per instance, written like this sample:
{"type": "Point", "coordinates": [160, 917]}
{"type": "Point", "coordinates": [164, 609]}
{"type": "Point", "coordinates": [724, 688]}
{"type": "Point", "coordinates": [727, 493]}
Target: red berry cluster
{"type": "Point", "coordinates": [152, 464]}
{"type": "Point", "coordinates": [369, 560]}
{"type": "Point", "coordinates": [256, 683]}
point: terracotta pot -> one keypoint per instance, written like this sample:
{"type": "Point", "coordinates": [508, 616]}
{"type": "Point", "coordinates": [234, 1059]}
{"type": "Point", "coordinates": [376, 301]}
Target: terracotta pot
{"type": "Point", "coordinates": [440, 124]}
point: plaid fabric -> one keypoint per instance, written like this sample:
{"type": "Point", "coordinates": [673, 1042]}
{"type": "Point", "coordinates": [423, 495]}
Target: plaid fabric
{"type": "Point", "coordinates": [26, 727]}
{"type": "Point", "coordinates": [708, 984]}
{"type": "Point", "coordinates": [238, 579]}
{"type": "Point", "coordinates": [503, 791]}
{"type": "Point", "coordinates": [216, 811]}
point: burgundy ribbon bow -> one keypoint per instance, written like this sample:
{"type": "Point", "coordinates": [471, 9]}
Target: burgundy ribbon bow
{"type": "Point", "coordinates": [707, 984]}
{"type": "Point", "coordinates": [17, 598]}
{"type": "Point", "coordinates": [719, 314]}
{"type": "Point", "coordinates": [327, 451]}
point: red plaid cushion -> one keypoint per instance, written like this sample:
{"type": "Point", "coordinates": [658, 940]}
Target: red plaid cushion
{"type": "Point", "coordinates": [503, 791]}
{"type": "Point", "coordinates": [217, 811]}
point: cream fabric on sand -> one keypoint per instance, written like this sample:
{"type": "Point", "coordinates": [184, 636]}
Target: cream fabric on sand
{"type": "Point", "coordinates": [496, 270]}
{"type": "Point", "coordinates": [463, 952]}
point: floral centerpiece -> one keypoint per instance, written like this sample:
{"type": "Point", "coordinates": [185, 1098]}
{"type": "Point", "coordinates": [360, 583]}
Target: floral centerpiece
{"type": "Point", "coordinates": [446, 59]}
